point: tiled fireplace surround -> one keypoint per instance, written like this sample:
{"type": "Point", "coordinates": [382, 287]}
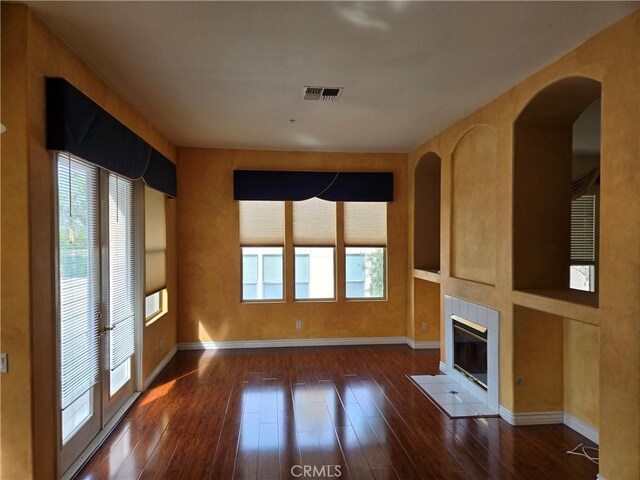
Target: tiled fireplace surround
{"type": "Point", "coordinates": [485, 317]}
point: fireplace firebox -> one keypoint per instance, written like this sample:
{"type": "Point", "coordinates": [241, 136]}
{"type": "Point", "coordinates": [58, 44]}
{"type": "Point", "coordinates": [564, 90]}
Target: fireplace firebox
{"type": "Point", "coordinates": [470, 350]}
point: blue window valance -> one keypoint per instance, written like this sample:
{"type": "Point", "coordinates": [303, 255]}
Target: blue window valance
{"type": "Point", "coordinates": [295, 186]}
{"type": "Point", "coordinates": [78, 125]}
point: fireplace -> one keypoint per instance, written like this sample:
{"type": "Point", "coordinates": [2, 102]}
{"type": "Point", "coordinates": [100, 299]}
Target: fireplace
{"type": "Point", "coordinates": [471, 341]}
{"type": "Point", "coordinates": [470, 350]}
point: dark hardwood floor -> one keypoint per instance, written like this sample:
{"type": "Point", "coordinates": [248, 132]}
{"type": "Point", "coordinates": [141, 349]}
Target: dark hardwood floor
{"type": "Point", "coordinates": [255, 414]}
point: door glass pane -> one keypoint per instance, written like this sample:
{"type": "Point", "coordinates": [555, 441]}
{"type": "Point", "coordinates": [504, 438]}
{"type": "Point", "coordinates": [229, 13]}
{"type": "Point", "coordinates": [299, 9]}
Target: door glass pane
{"type": "Point", "coordinates": [121, 307]}
{"type": "Point", "coordinates": [78, 273]}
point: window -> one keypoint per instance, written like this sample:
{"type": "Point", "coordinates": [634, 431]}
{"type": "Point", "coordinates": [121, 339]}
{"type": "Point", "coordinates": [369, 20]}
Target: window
{"type": "Point", "coordinates": [365, 238]}
{"type": "Point", "coordinates": [314, 233]}
{"type": "Point", "coordinates": [583, 243]}
{"type": "Point", "coordinates": [262, 240]}
{"type": "Point", "coordinates": [155, 305]}
{"type": "Point", "coordinates": [155, 239]}
{"type": "Point", "coordinates": [313, 230]}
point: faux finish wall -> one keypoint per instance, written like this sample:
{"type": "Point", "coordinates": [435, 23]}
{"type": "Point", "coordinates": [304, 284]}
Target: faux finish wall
{"type": "Point", "coordinates": [209, 273]}
{"type": "Point", "coordinates": [581, 365]}
{"type": "Point", "coordinates": [613, 58]}
{"type": "Point", "coordinates": [30, 51]}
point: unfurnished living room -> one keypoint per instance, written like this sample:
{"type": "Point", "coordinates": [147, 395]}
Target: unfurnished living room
{"type": "Point", "coordinates": [290, 240]}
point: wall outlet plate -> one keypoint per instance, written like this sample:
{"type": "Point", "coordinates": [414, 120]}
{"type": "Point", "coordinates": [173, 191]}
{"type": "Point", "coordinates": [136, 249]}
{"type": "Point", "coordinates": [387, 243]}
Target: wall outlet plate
{"type": "Point", "coordinates": [4, 365]}
{"type": "Point", "coordinates": [298, 324]}
{"type": "Point", "coordinates": [424, 326]}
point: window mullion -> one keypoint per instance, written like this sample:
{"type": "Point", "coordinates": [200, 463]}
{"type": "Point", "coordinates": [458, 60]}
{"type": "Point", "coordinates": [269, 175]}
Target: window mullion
{"type": "Point", "coordinates": [340, 254]}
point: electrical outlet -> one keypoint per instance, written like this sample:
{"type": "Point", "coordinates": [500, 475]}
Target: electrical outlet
{"type": "Point", "coordinates": [4, 365]}
{"type": "Point", "coordinates": [424, 326]}
{"type": "Point", "coordinates": [298, 324]}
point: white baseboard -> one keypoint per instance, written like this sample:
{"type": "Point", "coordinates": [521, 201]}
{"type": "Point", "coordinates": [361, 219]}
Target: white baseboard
{"type": "Point", "coordinates": [531, 418]}
{"type": "Point", "coordinates": [600, 477]}
{"type": "Point", "coordinates": [297, 342]}
{"type": "Point", "coordinates": [443, 367]}
{"type": "Point", "coordinates": [548, 418]}
{"type": "Point", "coordinates": [582, 428]}
{"type": "Point", "coordinates": [423, 344]}
{"type": "Point", "coordinates": [163, 363]}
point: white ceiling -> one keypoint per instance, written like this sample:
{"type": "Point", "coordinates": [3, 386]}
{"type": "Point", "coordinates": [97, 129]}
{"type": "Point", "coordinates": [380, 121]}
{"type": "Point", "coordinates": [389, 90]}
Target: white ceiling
{"type": "Point", "coordinates": [231, 74]}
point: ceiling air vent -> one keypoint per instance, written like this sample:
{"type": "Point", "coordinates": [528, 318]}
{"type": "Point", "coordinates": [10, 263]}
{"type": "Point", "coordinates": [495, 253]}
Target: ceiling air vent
{"type": "Point", "coordinates": [322, 93]}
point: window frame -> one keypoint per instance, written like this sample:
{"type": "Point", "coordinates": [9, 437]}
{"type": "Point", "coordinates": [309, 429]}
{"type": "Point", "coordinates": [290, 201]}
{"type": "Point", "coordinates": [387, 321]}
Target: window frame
{"type": "Point", "coordinates": [161, 312]}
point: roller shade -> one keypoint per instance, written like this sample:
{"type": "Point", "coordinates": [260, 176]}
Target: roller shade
{"type": "Point", "coordinates": [583, 230]}
{"type": "Point", "coordinates": [365, 224]}
{"type": "Point", "coordinates": [314, 222]}
{"type": "Point", "coordinates": [155, 241]}
{"type": "Point", "coordinates": [261, 223]}
{"type": "Point", "coordinates": [296, 186]}
{"type": "Point", "coordinates": [78, 125]}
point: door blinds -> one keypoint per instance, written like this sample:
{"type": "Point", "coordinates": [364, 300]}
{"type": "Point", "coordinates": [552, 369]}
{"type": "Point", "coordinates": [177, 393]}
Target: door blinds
{"type": "Point", "coordinates": [261, 223]}
{"type": "Point", "coordinates": [314, 223]}
{"type": "Point", "coordinates": [78, 250]}
{"type": "Point", "coordinates": [155, 240]}
{"type": "Point", "coordinates": [121, 305]}
{"type": "Point", "coordinates": [365, 224]}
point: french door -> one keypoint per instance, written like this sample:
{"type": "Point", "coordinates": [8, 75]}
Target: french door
{"type": "Point", "coordinates": [96, 301]}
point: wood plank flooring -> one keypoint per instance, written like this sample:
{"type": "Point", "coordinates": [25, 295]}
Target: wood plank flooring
{"type": "Point", "coordinates": [256, 414]}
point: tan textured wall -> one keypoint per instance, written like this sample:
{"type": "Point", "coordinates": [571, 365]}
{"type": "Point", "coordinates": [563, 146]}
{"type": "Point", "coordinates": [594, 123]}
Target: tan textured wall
{"type": "Point", "coordinates": [538, 361]}
{"type": "Point", "coordinates": [613, 58]}
{"type": "Point", "coordinates": [29, 196]}
{"type": "Point", "coordinates": [473, 206]}
{"type": "Point", "coordinates": [15, 386]}
{"type": "Point", "coordinates": [209, 257]}
{"type": "Point", "coordinates": [581, 371]}
{"type": "Point", "coordinates": [427, 310]}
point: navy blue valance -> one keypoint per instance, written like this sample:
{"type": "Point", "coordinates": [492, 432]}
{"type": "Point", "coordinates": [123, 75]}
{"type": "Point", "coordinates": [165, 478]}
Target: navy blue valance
{"type": "Point", "coordinates": [295, 186]}
{"type": "Point", "coordinates": [78, 125]}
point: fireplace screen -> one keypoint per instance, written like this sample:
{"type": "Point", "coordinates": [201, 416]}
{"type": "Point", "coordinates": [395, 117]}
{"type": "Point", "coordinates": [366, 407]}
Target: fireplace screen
{"type": "Point", "coordinates": [470, 350]}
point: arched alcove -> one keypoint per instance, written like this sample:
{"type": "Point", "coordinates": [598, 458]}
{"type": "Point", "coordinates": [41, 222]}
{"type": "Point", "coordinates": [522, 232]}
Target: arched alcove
{"type": "Point", "coordinates": [556, 190]}
{"type": "Point", "coordinates": [474, 205]}
{"type": "Point", "coordinates": [426, 213]}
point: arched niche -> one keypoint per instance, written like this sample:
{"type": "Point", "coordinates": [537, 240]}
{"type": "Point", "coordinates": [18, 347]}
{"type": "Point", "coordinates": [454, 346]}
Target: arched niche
{"type": "Point", "coordinates": [556, 140]}
{"type": "Point", "coordinates": [426, 213]}
{"type": "Point", "coordinates": [474, 205]}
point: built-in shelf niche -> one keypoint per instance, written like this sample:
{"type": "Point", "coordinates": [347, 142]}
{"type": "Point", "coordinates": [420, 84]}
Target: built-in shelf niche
{"type": "Point", "coordinates": [426, 219]}
{"type": "Point", "coordinates": [544, 170]}
{"type": "Point", "coordinates": [428, 275]}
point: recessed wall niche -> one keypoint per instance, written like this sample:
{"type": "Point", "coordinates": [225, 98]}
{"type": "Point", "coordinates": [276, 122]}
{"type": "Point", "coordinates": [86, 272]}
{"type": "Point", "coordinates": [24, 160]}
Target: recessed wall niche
{"type": "Point", "coordinates": [474, 203]}
{"type": "Point", "coordinates": [426, 213]}
{"type": "Point", "coordinates": [556, 161]}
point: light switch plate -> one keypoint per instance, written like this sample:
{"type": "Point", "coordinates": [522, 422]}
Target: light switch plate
{"type": "Point", "coordinates": [4, 366]}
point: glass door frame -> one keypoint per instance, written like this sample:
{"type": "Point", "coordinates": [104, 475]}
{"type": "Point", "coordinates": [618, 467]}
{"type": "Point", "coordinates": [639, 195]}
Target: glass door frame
{"type": "Point", "coordinates": [72, 454]}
